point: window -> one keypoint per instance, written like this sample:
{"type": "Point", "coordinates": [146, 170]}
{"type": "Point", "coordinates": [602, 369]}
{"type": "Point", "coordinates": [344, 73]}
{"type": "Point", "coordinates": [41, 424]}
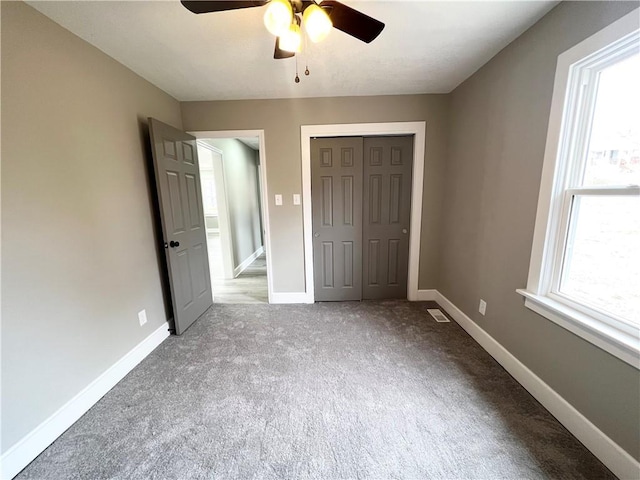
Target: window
{"type": "Point", "coordinates": [208, 184]}
{"type": "Point", "coordinates": [585, 263]}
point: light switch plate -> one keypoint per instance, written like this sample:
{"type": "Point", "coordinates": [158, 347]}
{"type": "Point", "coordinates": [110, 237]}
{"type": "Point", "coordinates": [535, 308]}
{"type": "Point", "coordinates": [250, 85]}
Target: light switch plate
{"type": "Point", "coordinates": [296, 199]}
{"type": "Point", "coordinates": [278, 199]}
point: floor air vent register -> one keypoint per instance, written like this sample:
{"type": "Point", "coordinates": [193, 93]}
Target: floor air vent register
{"type": "Point", "coordinates": [437, 315]}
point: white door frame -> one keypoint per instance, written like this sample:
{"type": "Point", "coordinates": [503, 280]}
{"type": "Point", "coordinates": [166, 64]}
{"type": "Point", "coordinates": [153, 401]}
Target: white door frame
{"type": "Point", "coordinates": [224, 220]}
{"type": "Point", "coordinates": [418, 130]}
{"type": "Point", "coordinates": [264, 194]}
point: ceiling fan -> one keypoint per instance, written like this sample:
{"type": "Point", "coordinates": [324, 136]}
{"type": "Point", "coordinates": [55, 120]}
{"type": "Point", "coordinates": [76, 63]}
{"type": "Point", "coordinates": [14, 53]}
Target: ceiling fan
{"type": "Point", "coordinates": [284, 19]}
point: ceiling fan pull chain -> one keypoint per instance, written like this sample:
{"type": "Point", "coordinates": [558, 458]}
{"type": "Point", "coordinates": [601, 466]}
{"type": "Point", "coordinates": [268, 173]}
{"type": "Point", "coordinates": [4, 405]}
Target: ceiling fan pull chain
{"type": "Point", "coordinates": [297, 79]}
{"type": "Point", "coordinates": [306, 54]}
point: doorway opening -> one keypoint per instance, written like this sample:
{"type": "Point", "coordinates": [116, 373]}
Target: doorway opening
{"type": "Point", "coordinates": [232, 185]}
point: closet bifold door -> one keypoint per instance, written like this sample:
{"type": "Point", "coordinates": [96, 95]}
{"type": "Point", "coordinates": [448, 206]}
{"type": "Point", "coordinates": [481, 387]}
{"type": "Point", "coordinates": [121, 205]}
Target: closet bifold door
{"type": "Point", "coordinates": [386, 216]}
{"type": "Point", "coordinates": [336, 191]}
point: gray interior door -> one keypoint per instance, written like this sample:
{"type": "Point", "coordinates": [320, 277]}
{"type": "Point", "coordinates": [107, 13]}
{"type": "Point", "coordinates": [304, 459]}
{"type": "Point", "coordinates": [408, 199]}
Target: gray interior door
{"type": "Point", "coordinates": [336, 191]}
{"type": "Point", "coordinates": [175, 161]}
{"type": "Point", "coordinates": [386, 216]}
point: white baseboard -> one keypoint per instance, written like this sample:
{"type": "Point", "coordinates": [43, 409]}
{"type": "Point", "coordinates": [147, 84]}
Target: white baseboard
{"type": "Point", "coordinates": [248, 261]}
{"type": "Point", "coordinates": [621, 463]}
{"type": "Point", "coordinates": [303, 297]}
{"type": "Point", "coordinates": [291, 297]}
{"type": "Point", "coordinates": [423, 296]}
{"type": "Point", "coordinates": [34, 443]}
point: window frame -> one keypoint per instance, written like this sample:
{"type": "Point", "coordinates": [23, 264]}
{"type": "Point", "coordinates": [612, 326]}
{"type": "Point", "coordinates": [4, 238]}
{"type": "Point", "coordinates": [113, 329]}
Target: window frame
{"type": "Point", "coordinates": [571, 116]}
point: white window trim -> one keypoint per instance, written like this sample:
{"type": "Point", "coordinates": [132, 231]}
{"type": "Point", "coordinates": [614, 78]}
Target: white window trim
{"type": "Point", "coordinates": [618, 338]}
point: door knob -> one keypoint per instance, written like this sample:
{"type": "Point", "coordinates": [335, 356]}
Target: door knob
{"type": "Point", "coordinates": [173, 244]}
{"type": "Point", "coordinates": [404, 230]}
{"type": "Point", "coordinates": [316, 234]}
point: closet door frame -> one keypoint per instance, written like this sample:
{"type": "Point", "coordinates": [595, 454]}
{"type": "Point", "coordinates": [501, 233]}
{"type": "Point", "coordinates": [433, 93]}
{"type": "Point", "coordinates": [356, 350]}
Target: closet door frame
{"type": "Point", "coordinates": [418, 130]}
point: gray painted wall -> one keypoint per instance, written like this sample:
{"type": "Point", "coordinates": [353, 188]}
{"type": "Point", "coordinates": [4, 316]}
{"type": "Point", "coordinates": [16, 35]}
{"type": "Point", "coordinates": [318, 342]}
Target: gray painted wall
{"type": "Point", "coordinates": [281, 121]}
{"type": "Point", "coordinates": [241, 180]}
{"type": "Point", "coordinates": [498, 129]}
{"type": "Point", "coordinates": [78, 256]}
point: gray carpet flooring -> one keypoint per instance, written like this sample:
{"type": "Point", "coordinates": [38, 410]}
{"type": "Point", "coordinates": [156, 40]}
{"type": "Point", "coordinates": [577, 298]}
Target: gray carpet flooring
{"type": "Point", "coordinates": [353, 390]}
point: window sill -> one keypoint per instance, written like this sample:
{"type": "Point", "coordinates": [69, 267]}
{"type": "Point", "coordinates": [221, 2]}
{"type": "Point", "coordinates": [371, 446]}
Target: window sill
{"type": "Point", "coordinates": [622, 345]}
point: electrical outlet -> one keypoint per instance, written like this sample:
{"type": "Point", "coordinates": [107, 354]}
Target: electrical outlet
{"type": "Point", "coordinates": [483, 307]}
{"type": "Point", "coordinates": [142, 317]}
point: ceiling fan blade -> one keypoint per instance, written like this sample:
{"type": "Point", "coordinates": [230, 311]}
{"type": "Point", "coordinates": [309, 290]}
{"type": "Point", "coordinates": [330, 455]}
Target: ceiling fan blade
{"type": "Point", "coordinates": [203, 6]}
{"type": "Point", "coordinates": [352, 22]}
{"type": "Point", "coordinates": [278, 53]}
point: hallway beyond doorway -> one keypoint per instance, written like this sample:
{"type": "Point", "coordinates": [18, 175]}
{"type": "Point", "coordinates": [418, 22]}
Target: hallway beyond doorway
{"type": "Point", "coordinates": [250, 286]}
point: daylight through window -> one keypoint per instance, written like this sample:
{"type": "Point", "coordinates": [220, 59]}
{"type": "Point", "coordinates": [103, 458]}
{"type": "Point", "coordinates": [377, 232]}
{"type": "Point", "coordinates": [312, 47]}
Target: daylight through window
{"type": "Point", "coordinates": [601, 255]}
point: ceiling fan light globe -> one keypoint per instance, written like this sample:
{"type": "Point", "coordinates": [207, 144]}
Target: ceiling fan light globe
{"type": "Point", "coordinates": [291, 40]}
{"type": "Point", "coordinates": [317, 23]}
{"type": "Point", "coordinates": [278, 17]}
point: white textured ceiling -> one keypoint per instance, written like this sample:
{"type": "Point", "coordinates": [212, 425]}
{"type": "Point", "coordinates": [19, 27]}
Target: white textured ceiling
{"type": "Point", "coordinates": [251, 142]}
{"type": "Point", "coordinates": [426, 47]}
